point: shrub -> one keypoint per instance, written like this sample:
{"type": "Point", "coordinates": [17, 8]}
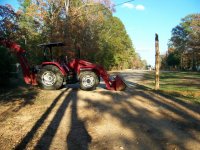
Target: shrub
{"type": "Point", "coordinates": [6, 61]}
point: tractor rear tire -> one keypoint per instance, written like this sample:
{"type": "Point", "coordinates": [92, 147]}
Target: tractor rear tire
{"type": "Point", "coordinates": [88, 80]}
{"type": "Point", "coordinates": [50, 78]}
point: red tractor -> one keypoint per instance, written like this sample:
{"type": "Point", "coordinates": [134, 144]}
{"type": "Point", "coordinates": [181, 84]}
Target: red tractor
{"type": "Point", "coordinates": [54, 73]}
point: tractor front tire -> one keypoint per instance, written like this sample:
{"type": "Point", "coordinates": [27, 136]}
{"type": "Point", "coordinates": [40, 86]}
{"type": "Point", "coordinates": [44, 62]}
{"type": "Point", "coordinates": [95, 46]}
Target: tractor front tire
{"type": "Point", "coordinates": [50, 78]}
{"type": "Point", "coordinates": [88, 80]}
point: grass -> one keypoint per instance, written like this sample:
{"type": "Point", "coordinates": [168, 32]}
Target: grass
{"type": "Point", "coordinates": [182, 85]}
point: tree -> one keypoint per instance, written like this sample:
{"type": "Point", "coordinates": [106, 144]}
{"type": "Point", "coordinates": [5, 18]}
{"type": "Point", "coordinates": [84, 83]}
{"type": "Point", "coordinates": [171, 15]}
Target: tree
{"type": "Point", "coordinates": [173, 59]}
{"type": "Point", "coordinates": [6, 61]}
{"type": "Point", "coordinates": [116, 44]}
{"type": "Point", "coordinates": [8, 30]}
{"type": "Point", "coordinates": [185, 42]}
{"type": "Point", "coordinates": [8, 22]}
{"type": "Point", "coordinates": [88, 25]}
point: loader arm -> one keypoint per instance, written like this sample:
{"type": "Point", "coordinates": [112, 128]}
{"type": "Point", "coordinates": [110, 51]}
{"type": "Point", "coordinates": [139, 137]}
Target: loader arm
{"type": "Point", "coordinates": [29, 77]}
{"type": "Point", "coordinates": [116, 83]}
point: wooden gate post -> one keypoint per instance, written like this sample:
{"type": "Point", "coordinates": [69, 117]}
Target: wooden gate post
{"type": "Point", "coordinates": [157, 63]}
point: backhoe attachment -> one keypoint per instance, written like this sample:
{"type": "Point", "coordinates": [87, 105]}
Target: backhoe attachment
{"type": "Point", "coordinates": [29, 77]}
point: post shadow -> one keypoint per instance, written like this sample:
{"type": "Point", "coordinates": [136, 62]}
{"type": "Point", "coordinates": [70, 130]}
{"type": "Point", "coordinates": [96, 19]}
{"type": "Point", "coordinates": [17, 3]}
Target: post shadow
{"type": "Point", "coordinates": [45, 141]}
{"type": "Point", "coordinates": [78, 137]}
{"type": "Point", "coordinates": [29, 136]}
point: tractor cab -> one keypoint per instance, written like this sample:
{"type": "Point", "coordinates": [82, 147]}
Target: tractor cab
{"type": "Point", "coordinates": [48, 53]}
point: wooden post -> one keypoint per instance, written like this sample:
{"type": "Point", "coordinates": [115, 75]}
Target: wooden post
{"type": "Point", "coordinates": [157, 63]}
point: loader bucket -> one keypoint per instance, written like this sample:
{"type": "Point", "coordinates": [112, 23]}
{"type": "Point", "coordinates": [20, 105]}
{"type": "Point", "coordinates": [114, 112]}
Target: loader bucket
{"type": "Point", "coordinates": [119, 84]}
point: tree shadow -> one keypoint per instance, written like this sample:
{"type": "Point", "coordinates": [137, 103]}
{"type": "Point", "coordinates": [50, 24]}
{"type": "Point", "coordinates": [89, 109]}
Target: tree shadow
{"type": "Point", "coordinates": [18, 91]}
{"type": "Point", "coordinates": [192, 106]}
{"type": "Point", "coordinates": [151, 132]}
{"type": "Point", "coordinates": [16, 99]}
{"type": "Point", "coordinates": [24, 95]}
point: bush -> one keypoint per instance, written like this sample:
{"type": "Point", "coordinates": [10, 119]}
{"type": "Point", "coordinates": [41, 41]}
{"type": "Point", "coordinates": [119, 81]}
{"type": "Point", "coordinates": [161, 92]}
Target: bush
{"type": "Point", "coordinates": [6, 61]}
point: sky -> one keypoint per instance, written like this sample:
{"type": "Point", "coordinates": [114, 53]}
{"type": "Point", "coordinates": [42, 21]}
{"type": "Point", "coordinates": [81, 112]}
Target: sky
{"type": "Point", "coordinates": [143, 18]}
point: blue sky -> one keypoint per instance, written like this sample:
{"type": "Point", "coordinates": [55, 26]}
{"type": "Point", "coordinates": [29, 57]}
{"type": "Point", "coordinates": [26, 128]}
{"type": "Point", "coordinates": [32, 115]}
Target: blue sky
{"type": "Point", "coordinates": [144, 18]}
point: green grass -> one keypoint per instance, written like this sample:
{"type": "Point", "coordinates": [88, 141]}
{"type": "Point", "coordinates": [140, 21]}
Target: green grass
{"type": "Point", "coordinates": [182, 85]}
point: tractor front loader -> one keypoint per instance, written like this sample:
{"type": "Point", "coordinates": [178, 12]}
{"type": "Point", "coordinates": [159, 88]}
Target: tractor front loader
{"type": "Point", "coordinates": [53, 73]}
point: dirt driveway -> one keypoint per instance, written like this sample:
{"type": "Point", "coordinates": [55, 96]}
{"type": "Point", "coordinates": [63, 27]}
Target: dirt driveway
{"type": "Point", "coordinates": [135, 119]}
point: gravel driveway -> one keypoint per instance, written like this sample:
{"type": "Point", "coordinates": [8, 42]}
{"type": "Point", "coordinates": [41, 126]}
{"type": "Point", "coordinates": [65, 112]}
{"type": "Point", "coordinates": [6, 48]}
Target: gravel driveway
{"type": "Point", "coordinates": [134, 119]}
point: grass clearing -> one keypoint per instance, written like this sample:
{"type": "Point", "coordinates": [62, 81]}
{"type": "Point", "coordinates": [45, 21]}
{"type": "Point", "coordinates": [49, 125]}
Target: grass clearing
{"type": "Point", "coordinates": [182, 85]}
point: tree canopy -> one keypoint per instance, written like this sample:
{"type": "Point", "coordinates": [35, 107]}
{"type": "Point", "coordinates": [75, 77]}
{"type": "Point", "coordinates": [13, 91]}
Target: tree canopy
{"type": "Point", "coordinates": [89, 25]}
{"type": "Point", "coordinates": [184, 45]}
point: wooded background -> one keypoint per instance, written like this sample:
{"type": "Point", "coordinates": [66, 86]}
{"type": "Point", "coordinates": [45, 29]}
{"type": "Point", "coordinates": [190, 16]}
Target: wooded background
{"type": "Point", "coordinates": [184, 46]}
{"type": "Point", "coordinates": [90, 25]}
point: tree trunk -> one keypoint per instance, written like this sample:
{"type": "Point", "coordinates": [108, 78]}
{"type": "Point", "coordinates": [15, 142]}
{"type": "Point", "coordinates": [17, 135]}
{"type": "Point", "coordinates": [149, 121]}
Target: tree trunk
{"type": "Point", "coordinates": [157, 61]}
{"type": "Point", "coordinates": [67, 8]}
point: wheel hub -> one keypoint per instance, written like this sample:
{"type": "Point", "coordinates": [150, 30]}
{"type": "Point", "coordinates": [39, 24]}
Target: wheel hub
{"type": "Point", "coordinates": [48, 78]}
{"type": "Point", "coordinates": [88, 81]}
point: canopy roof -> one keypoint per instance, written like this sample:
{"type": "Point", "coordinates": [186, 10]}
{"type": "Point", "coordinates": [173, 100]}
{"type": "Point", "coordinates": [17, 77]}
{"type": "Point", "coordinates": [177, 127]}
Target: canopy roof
{"type": "Point", "coordinates": [51, 44]}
